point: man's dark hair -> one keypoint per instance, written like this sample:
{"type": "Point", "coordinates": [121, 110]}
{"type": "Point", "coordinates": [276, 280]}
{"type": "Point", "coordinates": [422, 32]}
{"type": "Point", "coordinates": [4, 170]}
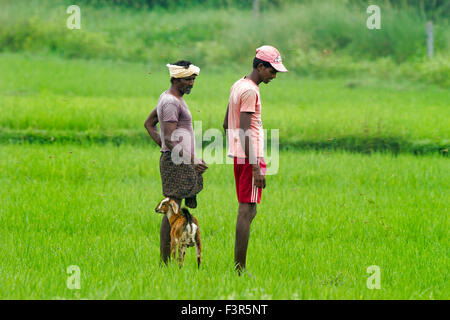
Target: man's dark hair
{"type": "Point", "coordinates": [257, 61]}
{"type": "Point", "coordinates": [182, 63]}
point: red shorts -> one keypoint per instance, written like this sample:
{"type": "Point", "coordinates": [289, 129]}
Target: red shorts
{"type": "Point", "coordinates": [246, 190]}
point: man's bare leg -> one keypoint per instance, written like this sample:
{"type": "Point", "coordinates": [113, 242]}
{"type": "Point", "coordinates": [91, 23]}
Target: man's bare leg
{"type": "Point", "coordinates": [164, 238]}
{"type": "Point", "coordinates": [246, 214]}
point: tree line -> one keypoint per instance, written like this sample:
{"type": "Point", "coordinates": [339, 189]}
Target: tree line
{"type": "Point", "coordinates": [432, 8]}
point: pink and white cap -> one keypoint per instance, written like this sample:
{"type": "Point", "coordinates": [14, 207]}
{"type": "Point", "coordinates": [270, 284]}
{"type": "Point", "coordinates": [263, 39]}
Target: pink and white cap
{"type": "Point", "coordinates": [270, 54]}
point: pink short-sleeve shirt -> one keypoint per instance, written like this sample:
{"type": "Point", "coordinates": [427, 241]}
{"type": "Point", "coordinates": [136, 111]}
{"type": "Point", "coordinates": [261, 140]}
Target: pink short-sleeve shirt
{"type": "Point", "coordinates": [172, 109]}
{"type": "Point", "coordinates": [244, 97]}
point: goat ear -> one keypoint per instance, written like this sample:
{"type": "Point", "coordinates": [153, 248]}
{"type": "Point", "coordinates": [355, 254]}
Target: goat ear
{"type": "Point", "coordinates": [174, 206]}
{"type": "Point", "coordinates": [158, 206]}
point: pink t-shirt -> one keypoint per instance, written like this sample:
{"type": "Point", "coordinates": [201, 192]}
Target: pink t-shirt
{"type": "Point", "coordinates": [172, 109]}
{"type": "Point", "coordinates": [244, 97]}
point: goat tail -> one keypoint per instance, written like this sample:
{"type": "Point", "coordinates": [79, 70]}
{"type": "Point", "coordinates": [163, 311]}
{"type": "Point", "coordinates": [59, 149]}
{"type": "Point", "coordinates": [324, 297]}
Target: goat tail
{"type": "Point", "coordinates": [187, 215]}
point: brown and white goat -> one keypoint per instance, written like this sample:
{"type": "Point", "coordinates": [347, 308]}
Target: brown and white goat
{"type": "Point", "coordinates": [184, 230]}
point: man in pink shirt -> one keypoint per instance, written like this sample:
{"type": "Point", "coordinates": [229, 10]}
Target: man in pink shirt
{"type": "Point", "coordinates": [181, 172]}
{"type": "Point", "coordinates": [246, 143]}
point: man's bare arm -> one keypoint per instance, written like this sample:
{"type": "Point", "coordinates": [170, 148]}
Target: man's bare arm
{"type": "Point", "coordinates": [246, 143]}
{"type": "Point", "coordinates": [150, 125]}
{"type": "Point", "coordinates": [167, 130]}
{"type": "Point", "coordinates": [225, 121]}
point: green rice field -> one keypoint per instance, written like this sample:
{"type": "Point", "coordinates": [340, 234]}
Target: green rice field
{"type": "Point", "coordinates": [325, 217]}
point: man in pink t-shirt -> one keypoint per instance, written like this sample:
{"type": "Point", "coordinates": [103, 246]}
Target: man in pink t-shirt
{"type": "Point", "coordinates": [181, 172]}
{"type": "Point", "coordinates": [246, 143]}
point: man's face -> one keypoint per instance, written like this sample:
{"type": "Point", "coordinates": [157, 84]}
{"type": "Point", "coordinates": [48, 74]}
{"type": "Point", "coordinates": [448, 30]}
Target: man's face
{"type": "Point", "coordinates": [267, 74]}
{"type": "Point", "coordinates": [184, 85]}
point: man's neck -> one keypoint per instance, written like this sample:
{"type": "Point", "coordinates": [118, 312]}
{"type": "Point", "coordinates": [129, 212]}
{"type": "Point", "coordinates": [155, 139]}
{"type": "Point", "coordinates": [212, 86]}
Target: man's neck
{"type": "Point", "coordinates": [254, 77]}
{"type": "Point", "coordinates": [175, 92]}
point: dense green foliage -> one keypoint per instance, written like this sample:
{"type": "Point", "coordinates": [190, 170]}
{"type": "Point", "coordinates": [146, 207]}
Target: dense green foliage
{"type": "Point", "coordinates": [431, 8]}
{"type": "Point", "coordinates": [183, 4]}
{"type": "Point", "coordinates": [315, 38]}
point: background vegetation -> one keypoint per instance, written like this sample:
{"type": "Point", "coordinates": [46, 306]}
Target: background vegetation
{"type": "Point", "coordinates": [428, 7]}
{"type": "Point", "coordinates": [104, 101]}
{"type": "Point", "coordinates": [320, 38]}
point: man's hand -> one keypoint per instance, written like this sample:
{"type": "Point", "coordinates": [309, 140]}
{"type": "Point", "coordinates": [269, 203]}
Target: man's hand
{"type": "Point", "coordinates": [258, 176]}
{"type": "Point", "coordinates": [200, 166]}
{"type": "Point", "coordinates": [246, 143]}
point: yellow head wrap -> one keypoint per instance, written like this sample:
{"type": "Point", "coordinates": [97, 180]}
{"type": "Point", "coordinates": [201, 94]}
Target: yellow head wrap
{"type": "Point", "coordinates": [182, 72]}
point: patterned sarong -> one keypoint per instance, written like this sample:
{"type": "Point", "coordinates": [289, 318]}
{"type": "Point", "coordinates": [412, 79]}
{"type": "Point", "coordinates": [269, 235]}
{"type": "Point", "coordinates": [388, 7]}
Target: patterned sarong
{"type": "Point", "coordinates": [179, 181]}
